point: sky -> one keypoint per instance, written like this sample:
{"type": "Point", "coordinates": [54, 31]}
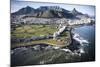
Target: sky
{"type": "Point", "coordinates": [86, 9]}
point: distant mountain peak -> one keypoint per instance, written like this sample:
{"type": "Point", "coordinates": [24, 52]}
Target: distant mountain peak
{"type": "Point", "coordinates": [28, 6]}
{"type": "Point", "coordinates": [74, 9]}
{"type": "Point", "coordinates": [25, 10]}
{"type": "Point", "coordinates": [75, 12]}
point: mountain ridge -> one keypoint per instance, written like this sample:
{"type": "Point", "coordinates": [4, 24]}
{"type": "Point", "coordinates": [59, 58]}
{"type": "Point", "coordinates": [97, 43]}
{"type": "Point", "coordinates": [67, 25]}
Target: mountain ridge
{"type": "Point", "coordinates": [47, 12]}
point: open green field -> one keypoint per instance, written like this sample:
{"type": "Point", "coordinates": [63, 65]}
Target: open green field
{"type": "Point", "coordinates": [27, 31]}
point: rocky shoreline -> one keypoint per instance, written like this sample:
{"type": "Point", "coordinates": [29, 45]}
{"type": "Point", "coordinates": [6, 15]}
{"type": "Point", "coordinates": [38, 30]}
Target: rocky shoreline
{"type": "Point", "coordinates": [42, 54]}
{"type": "Point", "coordinates": [37, 51]}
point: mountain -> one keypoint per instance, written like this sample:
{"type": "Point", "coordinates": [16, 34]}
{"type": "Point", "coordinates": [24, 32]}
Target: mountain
{"type": "Point", "coordinates": [26, 10]}
{"type": "Point", "coordinates": [75, 12]}
{"type": "Point", "coordinates": [48, 12]}
{"type": "Point", "coordinates": [44, 12]}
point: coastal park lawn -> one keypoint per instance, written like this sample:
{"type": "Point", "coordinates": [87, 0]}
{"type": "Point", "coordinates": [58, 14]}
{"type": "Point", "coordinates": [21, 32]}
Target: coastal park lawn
{"type": "Point", "coordinates": [28, 31]}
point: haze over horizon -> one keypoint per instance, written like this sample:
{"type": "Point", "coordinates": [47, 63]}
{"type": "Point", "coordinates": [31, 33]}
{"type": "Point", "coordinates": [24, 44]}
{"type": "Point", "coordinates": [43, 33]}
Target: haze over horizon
{"type": "Point", "coordinates": [85, 9]}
